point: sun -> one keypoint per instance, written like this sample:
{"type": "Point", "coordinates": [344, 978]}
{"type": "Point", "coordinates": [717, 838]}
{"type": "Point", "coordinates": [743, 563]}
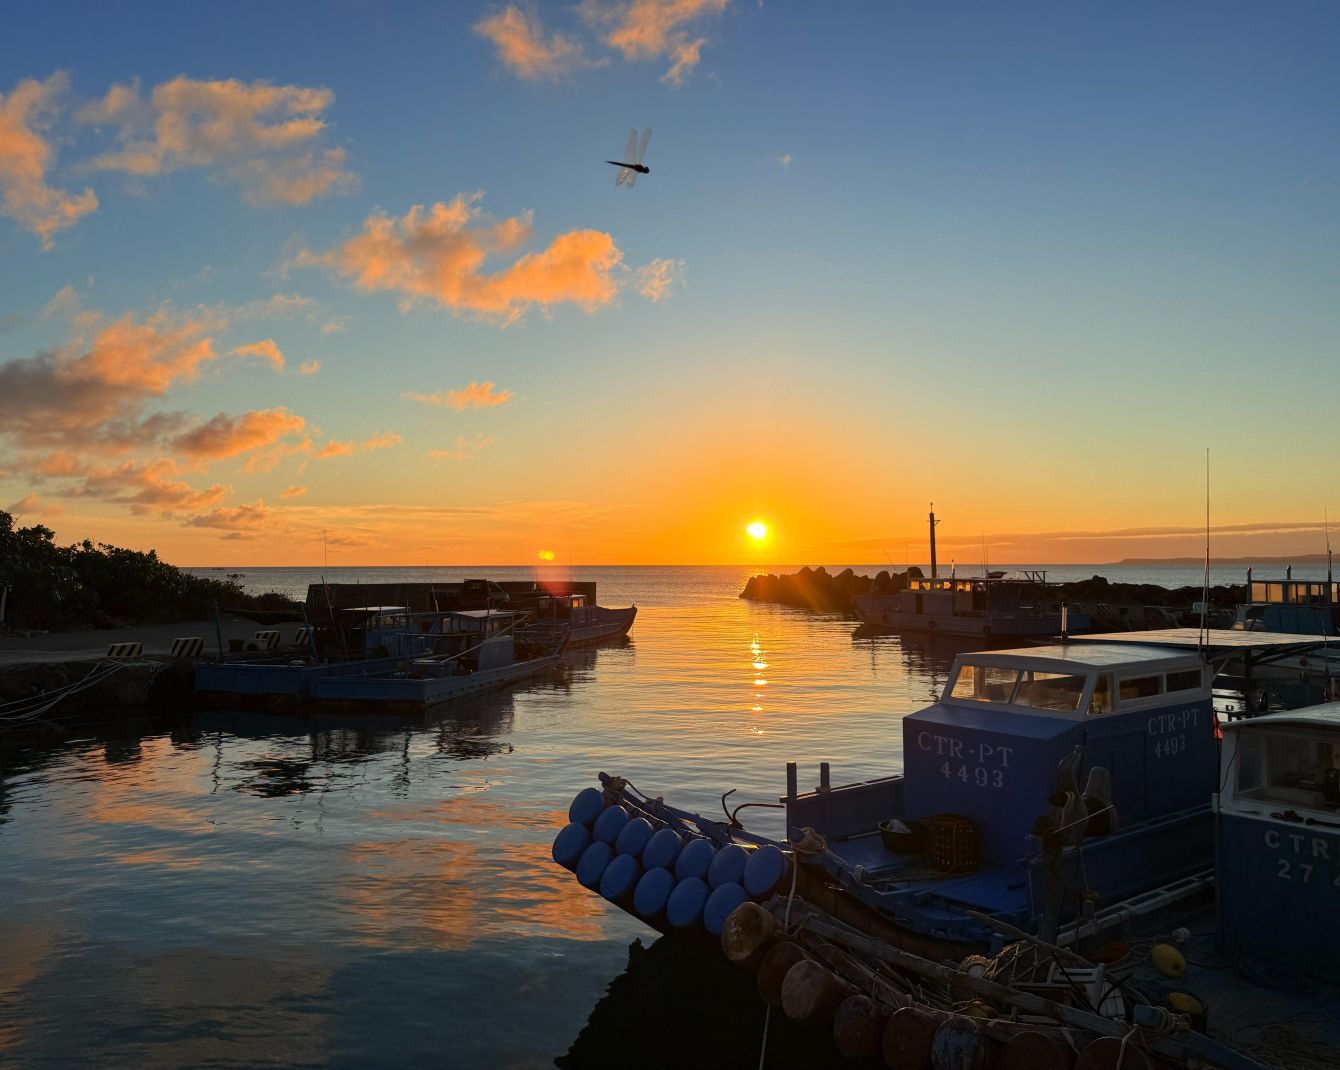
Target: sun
{"type": "Point", "coordinates": [758, 531]}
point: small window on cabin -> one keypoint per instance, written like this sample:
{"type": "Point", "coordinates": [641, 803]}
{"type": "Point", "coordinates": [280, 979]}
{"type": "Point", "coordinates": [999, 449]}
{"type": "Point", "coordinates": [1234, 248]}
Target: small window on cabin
{"type": "Point", "coordinates": [1050, 691]}
{"type": "Point", "coordinates": [1138, 687]}
{"type": "Point", "coordinates": [1301, 771]}
{"type": "Point", "coordinates": [1187, 680]}
{"type": "Point", "coordinates": [997, 684]}
{"type": "Point", "coordinates": [965, 686]}
{"type": "Point", "coordinates": [1101, 702]}
{"type": "Point", "coordinates": [1249, 765]}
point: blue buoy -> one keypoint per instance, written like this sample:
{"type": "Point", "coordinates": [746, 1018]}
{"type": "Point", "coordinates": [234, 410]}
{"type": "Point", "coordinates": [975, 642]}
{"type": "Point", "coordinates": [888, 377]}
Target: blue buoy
{"type": "Point", "coordinates": [569, 844]}
{"type": "Point", "coordinates": [720, 904]}
{"type": "Point", "coordinates": [652, 891]}
{"type": "Point", "coordinates": [763, 870]}
{"type": "Point", "coordinates": [591, 866]}
{"type": "Point", "coordinates": [609, 824]}
{"type": "Point", "coordinates": [694, 859]}
{"type": "Point", "coordinates": [662, 849]}
{"type": "Point", "coordinates": [685, 905]}
{"type": "Point", "coordinates": [586, 806]}
{"type": "Point", "coordinates": [633, 837]}
{"type": "Point", "coordinates": [620, 877]}
{"type": "Point", "coordinates": [728, 866]}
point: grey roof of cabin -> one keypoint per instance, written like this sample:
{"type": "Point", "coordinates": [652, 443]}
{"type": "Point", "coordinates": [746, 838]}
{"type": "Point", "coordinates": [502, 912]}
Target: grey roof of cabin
{"type": "Point", "coordinates": [1081, 657]}
{"type": "Point", "coordinates": [1326, 715]}
{"type": "Point", "coordinates": [1222, 639]}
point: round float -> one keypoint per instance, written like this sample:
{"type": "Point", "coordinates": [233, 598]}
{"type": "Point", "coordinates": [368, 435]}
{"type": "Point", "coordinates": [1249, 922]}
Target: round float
{"type": "Point", "coordinates": [694, 859]}
{"type": "Point", "coordinates": [723, 900]}
{"type": "Point", "coordinates": [652, 892]}
{"type": "Point", "coordinates": [620, 877]}
{"type": "Point", "coordinates": [610, 823]}
{"type": "Point", "coordinates": [633, 837]}
{"type": "Point", "coordinates": [763, 869]}
{"type": "Point", "coordinates": [686, 902]}
{"type": "Point", "coordinates": [591, 866]}
{"type": "Point", "coordinates": [728, 866]}
{"type": "Point", "coordinates": [572, 839]}
{"type": "Point", "coordinates": [586, 806]}
{"type": "Point", "coordinates": [662, 849]}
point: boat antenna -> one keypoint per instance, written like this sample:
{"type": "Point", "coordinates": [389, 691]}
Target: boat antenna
{"type": "Point", "coordinates": [1203, 639]}
{"type": "Point", "coordinates": [934, 571]}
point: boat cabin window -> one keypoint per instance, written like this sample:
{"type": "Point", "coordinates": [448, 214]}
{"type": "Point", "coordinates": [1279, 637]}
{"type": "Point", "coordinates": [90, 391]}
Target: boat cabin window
{"type": "Point", "coordinates": [1135, 688]}
{"type": "Point", "coordinates": [1050, 691]}
{"type": "Point", "coordinates": [1187, 680]}
{"type": "Point", "coordinates": [985, 683]}
{"type": "Point", "coordinates": [1290, 771]}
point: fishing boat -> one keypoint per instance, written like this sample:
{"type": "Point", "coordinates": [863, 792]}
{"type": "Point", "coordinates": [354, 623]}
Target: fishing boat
{"type": "Point", "coordinates": [449, 656]}
{"type": "Point", "coordinates": [993, 605]}
{"type": "Point", "coordinates": [586, 624]}
{"type": "Point", "coordinates": [1054, 798]}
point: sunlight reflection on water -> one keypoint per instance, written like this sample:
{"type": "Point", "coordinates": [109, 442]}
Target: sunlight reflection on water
{"type": "Point", "coordinates": [230, 889]}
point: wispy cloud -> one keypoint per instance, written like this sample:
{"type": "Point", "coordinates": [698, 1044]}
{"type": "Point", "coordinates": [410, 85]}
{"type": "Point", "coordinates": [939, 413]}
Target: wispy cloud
{"type": "Point", "coordinates": [438, 254]}
{"type": "Point", "coordinates": [266, 138]}
{"type": "Point", "coordinates": [266, 349]}
{"type": "Point", "coordinates": [655, 29]}
{"type": "Point", "coordinates": [31, 503]}
{"type": "Point", "coordinates": [785, 160]}
{"type": "Point", "coordinates": [309, 367]}
{"type": "Point", "coordinates": [336, 448]}
{"type": "Point", "coordinates": [463, 449]}
{"type": "Point", "coordinates": [524, 49]}
{"type": "Point", "coordinates": [656, 279]}
{"type": "Point", "coordinates": [245, 517]}
{"type": "Point", "coordinates": [294, 491]}
{"type": "Point", "coordinates": [474, 396]}
{"type": "Point", "coordinates": [228, 436]}
{"type": "Point", "coordinates": [27, 157]}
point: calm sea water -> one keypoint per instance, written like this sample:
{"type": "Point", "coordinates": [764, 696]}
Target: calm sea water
{"type": "Point", "coordinates": [235, 890]}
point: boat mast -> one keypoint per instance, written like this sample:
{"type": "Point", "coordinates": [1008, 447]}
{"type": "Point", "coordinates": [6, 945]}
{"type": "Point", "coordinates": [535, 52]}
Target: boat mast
{"type": "Point", "coordinates": [934, 572]}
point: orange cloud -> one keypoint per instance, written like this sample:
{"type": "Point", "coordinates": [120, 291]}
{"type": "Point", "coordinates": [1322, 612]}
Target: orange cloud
{"type": "Point", "coordinates": [147, 487]}
{"type": "Point", "coordinates": [266, 349]}
{"type": "Point", "coordinates": [655, 279]}
{"type": "Point", "coordinates": [31, 503]}
{"type": "Point", "coordinates": [524, 50]}
{"type": "Point", "coordinates": [26, 157]}
{"type": "Point", "coordinates": [242, 518]}
{"type": "Point", "coordinates": [474, 396]}
{"type": "Point", "coordinates": [93, 394]}
{"type": "Point", "coordinates": [294, 491]}
{"type": "Point", "coordinates": [224, 436]}
{"type": "Point", "coordinates": [652, 29]}
{"type": "Point", "coordinates": [463, 450]}
{"type": "Point", "coordinates": [309, 367]}
{"type": "Point", "coordinates": [438, 255]}
{"type": "Point", "coordinates": [263, 137]}
{"type": "Point", "coordinates": [335, 448]}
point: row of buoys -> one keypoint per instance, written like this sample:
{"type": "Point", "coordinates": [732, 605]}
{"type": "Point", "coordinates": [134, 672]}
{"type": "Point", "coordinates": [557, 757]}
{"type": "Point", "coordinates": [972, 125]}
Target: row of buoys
{"type": "Point", "coordinates": [661, 873]}
{"type": "Point", "coordinates": [804, 983]}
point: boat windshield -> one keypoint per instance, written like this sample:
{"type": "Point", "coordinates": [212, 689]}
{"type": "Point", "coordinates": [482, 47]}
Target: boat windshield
{"type": "Point", "coordinates": [1029, 688]}
{"type": "Point", "coordinates": [1290, 770]}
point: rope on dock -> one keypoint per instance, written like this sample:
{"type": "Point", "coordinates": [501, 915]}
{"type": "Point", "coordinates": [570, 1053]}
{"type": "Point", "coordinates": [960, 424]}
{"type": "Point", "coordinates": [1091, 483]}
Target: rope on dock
{"type": "Point", "coordinates": [20, 711]}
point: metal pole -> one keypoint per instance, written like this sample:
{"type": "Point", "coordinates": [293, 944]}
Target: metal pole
{"type": "Point", "coordinates": [934, 572]}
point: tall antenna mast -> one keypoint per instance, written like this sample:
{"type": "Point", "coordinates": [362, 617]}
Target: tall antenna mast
{"type": "Point", "coordinates": [934, 571]}
{"type": "Point", "coordinates": [1204, 637]}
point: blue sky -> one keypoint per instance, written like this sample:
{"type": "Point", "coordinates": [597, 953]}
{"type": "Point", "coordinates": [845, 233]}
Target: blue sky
{"type": "Point", "coordinates": [1027, 260]}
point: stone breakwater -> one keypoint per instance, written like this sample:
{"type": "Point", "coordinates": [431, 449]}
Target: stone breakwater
{"type": "Point", "coordinates": [821, 592]}
{"type": "Point", "coordinates": [53, 691]}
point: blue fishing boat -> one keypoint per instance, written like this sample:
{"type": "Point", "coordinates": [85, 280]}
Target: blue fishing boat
{"type": "Point", "coordinates": [449, 656]}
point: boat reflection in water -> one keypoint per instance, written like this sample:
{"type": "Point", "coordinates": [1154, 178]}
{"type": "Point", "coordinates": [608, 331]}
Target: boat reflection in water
{"type": "Point", "coordinates": [676, 1005]}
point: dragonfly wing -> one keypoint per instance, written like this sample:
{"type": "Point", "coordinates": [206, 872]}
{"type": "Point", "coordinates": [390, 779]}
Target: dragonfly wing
{"type": "Point", "coordinates": [631, 148]}
{"type": "Point", "coordinates": [642, 145]}
{"type": "Point", "coordinates": [632, 179]}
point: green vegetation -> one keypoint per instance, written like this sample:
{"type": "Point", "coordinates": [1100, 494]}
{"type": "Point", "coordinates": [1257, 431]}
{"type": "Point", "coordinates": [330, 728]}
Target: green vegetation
{"type": "Point", "coordinates": [103, 586]}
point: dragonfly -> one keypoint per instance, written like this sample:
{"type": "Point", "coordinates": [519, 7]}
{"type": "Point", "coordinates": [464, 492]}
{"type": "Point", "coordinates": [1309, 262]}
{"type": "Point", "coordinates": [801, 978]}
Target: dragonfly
{"type": "Point", "coordinates": [631, 165]}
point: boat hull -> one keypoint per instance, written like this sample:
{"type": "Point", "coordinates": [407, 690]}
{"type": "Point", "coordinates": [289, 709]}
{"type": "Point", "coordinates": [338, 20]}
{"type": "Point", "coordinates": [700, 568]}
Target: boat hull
{"type": "Point", "coordinates": [402, 693]}
{"type": "Point", "coordinates": [878, 612]}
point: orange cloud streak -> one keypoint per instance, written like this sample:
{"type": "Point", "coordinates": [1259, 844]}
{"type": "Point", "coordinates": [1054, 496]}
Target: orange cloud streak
{"type": "Point", "coordinates": [523, 48]}
{"type": "Point", "coordinates": [266, 349]}
{"type": "Point", "coordinates": [438, 254]}
{"type": "Point", "coordinates": [474, 396]}
{"type": "Point", "coordinates": [25, 158]}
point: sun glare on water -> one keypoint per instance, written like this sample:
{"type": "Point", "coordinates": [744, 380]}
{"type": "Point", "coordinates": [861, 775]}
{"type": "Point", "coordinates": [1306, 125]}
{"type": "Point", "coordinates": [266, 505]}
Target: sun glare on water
{"type": "Point", "coordinates": [757, 530]}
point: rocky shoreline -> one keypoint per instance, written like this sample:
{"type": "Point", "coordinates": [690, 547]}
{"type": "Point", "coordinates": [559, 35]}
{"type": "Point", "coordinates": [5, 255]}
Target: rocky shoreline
{"type": "Point", "coordinates": [819, 591]}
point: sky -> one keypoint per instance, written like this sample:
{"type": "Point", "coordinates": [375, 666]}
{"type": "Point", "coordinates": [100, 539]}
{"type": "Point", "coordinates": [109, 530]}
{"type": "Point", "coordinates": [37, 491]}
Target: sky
{"type": "Point", "coordinates": [353, 283]}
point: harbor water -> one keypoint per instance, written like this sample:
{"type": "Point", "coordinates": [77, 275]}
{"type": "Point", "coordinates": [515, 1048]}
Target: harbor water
{"type": "Point", "coordinates": [231, 890]}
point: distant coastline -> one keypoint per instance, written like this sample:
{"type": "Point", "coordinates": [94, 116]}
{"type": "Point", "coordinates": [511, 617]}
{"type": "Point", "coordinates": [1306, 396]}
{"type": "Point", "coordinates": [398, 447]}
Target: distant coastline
{"type": "Point", "coordinates": [1182, 562]}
